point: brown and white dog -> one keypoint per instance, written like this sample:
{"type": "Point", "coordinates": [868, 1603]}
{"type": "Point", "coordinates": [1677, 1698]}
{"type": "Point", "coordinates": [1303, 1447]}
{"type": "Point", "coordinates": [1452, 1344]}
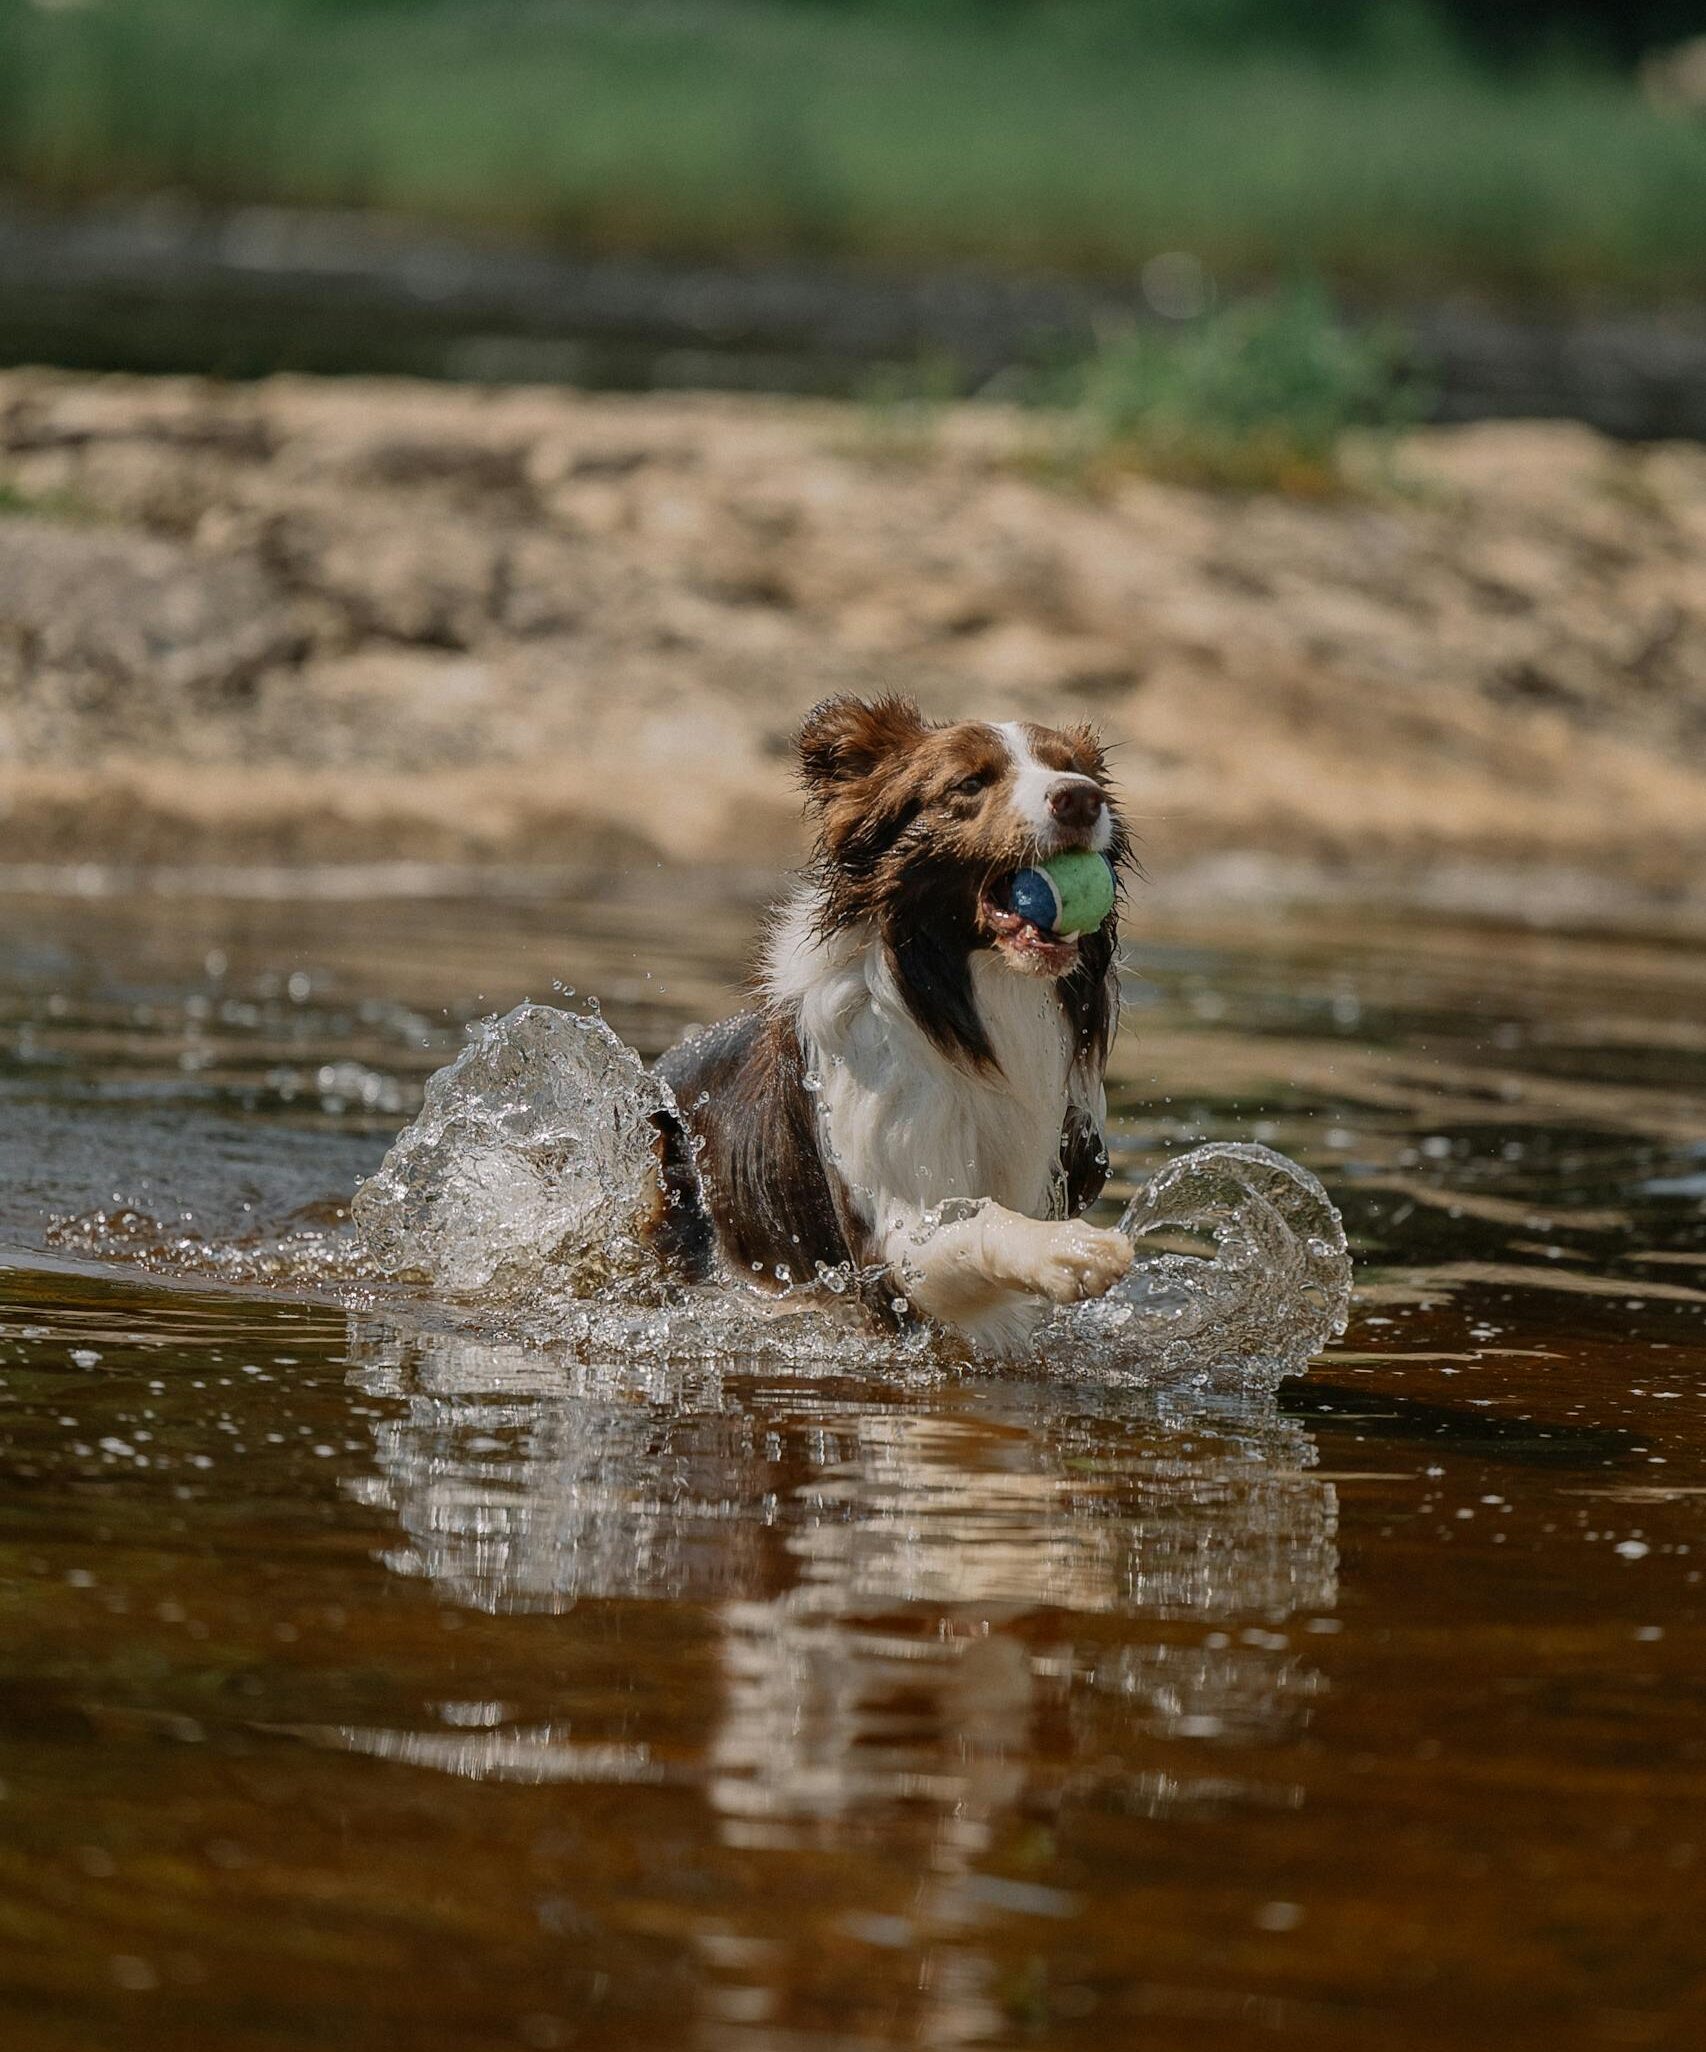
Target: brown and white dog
{"type": "Point", "coordinates": [919, 1091]}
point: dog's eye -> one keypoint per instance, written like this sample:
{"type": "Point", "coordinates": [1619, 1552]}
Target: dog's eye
{"type": "Point", "coordinates": [969, 787]}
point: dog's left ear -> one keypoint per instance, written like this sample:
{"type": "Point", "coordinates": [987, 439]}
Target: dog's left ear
{"type": "Point", "coordinates": [844, 739]}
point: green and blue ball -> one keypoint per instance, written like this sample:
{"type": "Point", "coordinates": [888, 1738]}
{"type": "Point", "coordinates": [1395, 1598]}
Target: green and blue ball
{"type": "Point", "coordinates": [1070, 893]}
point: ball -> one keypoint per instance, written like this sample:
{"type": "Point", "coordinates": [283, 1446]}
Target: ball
{"type": "Point", "coordinates": [1069, 893]}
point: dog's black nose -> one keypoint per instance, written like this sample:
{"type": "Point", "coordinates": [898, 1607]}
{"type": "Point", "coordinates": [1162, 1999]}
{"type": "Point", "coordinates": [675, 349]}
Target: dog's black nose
{"type": "Point", "coordinates": [1076, 803]}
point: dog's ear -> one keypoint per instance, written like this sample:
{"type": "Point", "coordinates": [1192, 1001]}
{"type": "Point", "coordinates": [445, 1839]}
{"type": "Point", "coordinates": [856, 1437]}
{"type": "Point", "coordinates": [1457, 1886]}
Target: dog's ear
{"type": "Point", "coordinates": [845, 739]}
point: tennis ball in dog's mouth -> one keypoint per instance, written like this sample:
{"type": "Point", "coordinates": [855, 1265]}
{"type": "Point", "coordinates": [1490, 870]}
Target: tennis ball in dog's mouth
{"type": "Point", "coordinates": [1069, 893]}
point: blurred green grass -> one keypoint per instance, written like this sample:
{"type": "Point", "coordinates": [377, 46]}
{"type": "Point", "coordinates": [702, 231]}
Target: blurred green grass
{"type": "Point", "coordinates": [1076, 136]}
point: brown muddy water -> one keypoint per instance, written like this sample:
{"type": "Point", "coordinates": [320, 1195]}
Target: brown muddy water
{"type": "Point", "coordinates": [366, 1684]}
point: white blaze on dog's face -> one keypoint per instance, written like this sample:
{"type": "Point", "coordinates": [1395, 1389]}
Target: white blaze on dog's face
{"type": "Point", "coordinates": [1062, 802]}
{"type": "Point", "coordinates": [924, 827]}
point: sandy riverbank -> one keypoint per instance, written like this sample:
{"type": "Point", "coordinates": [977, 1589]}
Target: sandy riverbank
{"type": "Point", "coordinates": [360, 621]}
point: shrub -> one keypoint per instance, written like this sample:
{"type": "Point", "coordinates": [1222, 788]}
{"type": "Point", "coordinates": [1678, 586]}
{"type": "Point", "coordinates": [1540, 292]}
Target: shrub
{"type": "Point", "coordinates": [1259, 394]}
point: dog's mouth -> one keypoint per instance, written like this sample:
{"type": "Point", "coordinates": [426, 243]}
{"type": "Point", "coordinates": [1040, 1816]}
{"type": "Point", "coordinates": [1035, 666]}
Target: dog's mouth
{"type": "Point", "coordinates": [1024, 944]}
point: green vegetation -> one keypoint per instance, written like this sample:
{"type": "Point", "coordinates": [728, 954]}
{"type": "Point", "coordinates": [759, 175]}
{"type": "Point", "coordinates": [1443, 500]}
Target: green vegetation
{"type": "Point", "coordinates": [1380, 155]}
{"type": "Point", "coordinates": [18, 504]}
{"type": "Point", "coordinates": [1259, 396]}
{"type": "Point", "coordinates": [1269, 393]}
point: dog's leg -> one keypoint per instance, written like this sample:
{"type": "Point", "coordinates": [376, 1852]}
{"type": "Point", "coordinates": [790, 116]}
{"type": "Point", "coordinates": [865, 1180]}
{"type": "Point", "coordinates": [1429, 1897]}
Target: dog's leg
{"type": "Point", "coordinates": [989, 1274]}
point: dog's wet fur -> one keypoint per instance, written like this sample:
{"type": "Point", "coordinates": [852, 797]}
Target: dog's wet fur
{"type": "Point", "coordinates": [915, 1041]}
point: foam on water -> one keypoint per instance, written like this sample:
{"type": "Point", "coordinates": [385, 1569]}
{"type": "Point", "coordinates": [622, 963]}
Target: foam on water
{"type": "Point", "coordinates": [515, 1194]}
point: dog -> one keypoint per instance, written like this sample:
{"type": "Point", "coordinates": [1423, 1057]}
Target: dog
{"type": "Point", "coordinates": [917, 1097]}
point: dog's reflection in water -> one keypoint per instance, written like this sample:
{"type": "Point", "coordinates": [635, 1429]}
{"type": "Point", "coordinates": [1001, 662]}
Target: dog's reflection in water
{"type": "Point", "coordinates": [931, 1597]}
{"type": "Point", "coordinates": [903, 1631]}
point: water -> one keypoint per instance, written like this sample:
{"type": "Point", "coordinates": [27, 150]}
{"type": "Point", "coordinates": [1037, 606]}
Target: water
{"type": "Point", "coordinates": [378, 1675]}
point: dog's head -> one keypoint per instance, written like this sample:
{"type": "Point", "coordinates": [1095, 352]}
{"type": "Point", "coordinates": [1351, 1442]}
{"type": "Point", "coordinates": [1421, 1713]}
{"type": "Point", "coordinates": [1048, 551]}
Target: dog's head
{"type": "Point", "coordinates": [922, 829]}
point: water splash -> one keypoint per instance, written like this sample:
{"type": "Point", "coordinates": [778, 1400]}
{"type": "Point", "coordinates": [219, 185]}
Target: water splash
{"type": "Point", "coordinates": [310, 1248]}
{"type": "Point", "coordinates": [1265, 1285]}
{"type": "Point", "coordinates": [532, 1155]}
{"type": "Point", "coordinates": [517, 1190]}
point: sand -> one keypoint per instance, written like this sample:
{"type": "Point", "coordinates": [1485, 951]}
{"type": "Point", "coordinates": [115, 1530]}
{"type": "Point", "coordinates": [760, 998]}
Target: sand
{"type": "Point", "coordinates": [361, 621]}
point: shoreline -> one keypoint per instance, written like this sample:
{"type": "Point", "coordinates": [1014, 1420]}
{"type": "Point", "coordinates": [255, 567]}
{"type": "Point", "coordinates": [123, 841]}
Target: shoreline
{"type": "Point", "coordinates": [379, 622]}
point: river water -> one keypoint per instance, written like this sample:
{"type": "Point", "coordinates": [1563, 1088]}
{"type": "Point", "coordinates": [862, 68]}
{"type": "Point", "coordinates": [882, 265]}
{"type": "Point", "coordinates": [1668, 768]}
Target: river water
{"type": "Point", "coordinates": [372, 1679]}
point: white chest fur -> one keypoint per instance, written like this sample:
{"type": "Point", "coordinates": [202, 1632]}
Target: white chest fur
{"type": "Point", "coordinates": [905, 1125]}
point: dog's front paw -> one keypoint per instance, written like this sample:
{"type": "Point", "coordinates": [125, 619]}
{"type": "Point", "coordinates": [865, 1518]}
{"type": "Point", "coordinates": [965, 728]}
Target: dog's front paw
{"type": "Point", "coordinates": [1075, 1261]}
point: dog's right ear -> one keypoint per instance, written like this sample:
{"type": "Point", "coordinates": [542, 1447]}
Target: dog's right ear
{"type": "Point", "coordinates": [844, 739]}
